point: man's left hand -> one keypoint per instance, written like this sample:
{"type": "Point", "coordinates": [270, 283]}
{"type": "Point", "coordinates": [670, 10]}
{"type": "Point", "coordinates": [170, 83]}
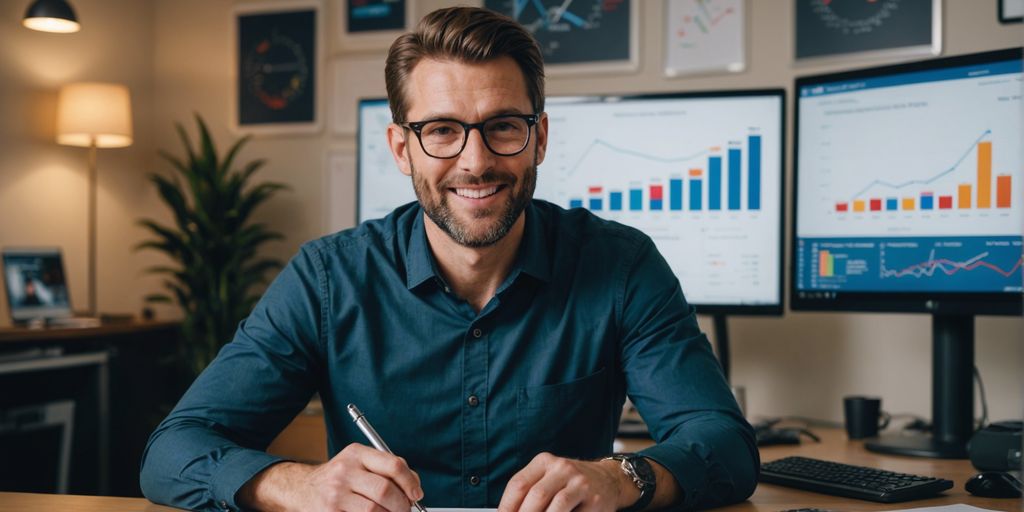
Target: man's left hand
{"type": "Point", "coordinates": [554, 484]}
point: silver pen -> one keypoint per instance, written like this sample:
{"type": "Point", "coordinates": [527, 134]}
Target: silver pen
{"type": "Point", "coordinates": [375, 439]}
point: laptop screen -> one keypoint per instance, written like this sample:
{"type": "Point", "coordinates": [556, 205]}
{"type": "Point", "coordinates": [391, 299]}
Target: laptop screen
{"type": "Point", "coordinates": [36, 287]}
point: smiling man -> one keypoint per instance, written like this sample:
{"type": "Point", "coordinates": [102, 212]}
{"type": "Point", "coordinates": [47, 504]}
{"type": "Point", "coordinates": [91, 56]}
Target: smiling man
{"type": "Point", "coordinates": [491, 338]}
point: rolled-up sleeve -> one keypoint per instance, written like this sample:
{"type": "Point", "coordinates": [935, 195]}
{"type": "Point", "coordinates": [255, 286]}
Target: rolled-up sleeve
{"type": "Point", "coordinates": [213, 442]}
{"type": "Point", "coordinates": [678, 387]}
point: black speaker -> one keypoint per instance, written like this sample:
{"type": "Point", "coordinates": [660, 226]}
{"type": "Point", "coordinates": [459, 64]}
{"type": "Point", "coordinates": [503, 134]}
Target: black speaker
{"type": "Point", "coordinates": [997, 447]}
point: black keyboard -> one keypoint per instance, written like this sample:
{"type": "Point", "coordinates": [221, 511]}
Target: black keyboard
{"type": "Point", "coordinates": [851, 481]}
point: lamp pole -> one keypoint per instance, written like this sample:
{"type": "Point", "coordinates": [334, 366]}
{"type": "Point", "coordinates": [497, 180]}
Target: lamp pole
{"type": "Point", "coordinates": [92, 227]}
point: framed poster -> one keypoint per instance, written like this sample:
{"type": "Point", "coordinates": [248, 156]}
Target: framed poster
{"type": "Point", "coordinates": [372, 24]}
{"type": "Point", "coordinates": [829, 29]}
{"type": "Point", "coordinates": [580, 37]}
{"type": "Point", "coordinates": [1011, 11]}
{"type": "Point", "coordinates": [704, 36]}
{"type": "Point", "coordinates": [277, 67]}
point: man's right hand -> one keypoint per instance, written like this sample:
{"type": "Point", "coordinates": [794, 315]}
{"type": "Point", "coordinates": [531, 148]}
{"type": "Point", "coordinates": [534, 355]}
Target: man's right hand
{"type": "Point", "coordinates": [358, 479]}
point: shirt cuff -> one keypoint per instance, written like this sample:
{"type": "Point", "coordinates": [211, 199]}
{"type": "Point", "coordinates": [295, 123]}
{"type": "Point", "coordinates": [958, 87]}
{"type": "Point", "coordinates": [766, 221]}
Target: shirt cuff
{"type": "Point", "coordinates": [234, 471]}
{"type": "Point", "coordinates": [685, 466]}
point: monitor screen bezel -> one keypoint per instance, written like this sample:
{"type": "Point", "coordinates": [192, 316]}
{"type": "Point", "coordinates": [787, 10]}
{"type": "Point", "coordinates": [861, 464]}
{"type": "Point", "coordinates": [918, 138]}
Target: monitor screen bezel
{"type": "Point", "coordinates": [22, 314]}
{"type": "Point", "coordinates": [963, 303]}
{"type": "Point", "coordinates": [776, 309]}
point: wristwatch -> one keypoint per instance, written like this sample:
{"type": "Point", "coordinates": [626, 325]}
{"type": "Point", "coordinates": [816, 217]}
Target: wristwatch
{"type": "Point", "coordinates": [640, 471]}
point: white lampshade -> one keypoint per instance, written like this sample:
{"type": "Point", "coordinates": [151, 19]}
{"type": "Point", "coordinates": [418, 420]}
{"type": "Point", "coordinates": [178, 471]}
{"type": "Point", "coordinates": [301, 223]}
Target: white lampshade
{"type": "Point", "coordinates": [91, 112]}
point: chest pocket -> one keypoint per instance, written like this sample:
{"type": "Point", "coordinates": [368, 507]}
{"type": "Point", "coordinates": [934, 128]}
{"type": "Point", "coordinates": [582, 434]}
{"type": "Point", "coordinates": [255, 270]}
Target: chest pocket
{"type": "Point", "coordinates": [572, 419]}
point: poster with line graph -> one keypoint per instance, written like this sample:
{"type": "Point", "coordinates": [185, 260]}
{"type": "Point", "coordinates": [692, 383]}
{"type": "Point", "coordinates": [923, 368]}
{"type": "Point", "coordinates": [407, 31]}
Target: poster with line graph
{"type": "Point", "coordinates": [912, 182]}
{"type": "Point", "coordinates": [700, 175]}
{"type": "Point", "coordinates": [704, 36]}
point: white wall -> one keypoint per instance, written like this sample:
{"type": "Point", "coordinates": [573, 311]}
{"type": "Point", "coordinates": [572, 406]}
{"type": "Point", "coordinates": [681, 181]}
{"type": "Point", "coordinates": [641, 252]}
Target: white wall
{"type": "Point", "coordinates": [43, 186]}
{"type": "Point", "coordinates": [800, 364]}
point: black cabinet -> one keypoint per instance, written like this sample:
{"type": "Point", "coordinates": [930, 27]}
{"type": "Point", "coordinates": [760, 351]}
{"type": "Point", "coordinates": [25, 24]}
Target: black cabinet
{"type": "Point", "coordinates": [121, 380]}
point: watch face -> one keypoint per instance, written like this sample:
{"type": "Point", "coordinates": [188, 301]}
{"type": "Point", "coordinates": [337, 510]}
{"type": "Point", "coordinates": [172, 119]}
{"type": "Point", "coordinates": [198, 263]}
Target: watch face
{"type": "Point", "coordinates": [643, 470]}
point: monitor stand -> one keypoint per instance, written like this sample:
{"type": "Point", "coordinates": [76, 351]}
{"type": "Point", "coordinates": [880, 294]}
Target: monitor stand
{"type": "Point", "coordinates": [722, 343]}
{"type": "Point", "coordinates": [952, 395]}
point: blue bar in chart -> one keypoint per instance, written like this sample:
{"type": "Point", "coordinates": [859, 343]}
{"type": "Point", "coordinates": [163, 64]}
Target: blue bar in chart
{"type": "Point", "coordinates": [696, 184]}
{"type": "Point", "coordinates": [675, 193]}
{"type": "Point", "coordinates": [754, 169]}
{"type": "Point", "coordinates": [615, 201]}
{"type": "Point", "coordinates": [735, 156]}
{"type": "Point", "coordinates": [575, 203]}
{"type": "Point", "coordinates": [715, 183]}
{"type": "Point", "coordinates": [596, 204]}
{"type": "Point", "coordinates": [892, 204]}
{"type": "Point", "coordinates": [636, 199]}
{"type": "Point", "coordinates": [927, 201]}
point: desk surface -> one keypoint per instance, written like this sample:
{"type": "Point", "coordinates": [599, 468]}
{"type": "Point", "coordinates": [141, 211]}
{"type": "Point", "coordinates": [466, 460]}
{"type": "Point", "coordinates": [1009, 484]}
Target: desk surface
{"type": "Point", "coordinates": [22, 334]}
{"type": "Point", "coordinates": [767, 498]}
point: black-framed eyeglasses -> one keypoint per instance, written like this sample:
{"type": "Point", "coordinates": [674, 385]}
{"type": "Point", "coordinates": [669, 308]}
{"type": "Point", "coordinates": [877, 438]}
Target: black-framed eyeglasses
{"type": "Point", "coordinates": [504, 135]}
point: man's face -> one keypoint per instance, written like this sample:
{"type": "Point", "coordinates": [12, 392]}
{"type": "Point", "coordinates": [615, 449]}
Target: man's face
{"type": "Point", "coordinates": [477, 196]}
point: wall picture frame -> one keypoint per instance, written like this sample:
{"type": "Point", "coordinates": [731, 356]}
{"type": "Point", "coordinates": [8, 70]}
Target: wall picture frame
{"type": "Point", "coordinates": [591, 36]}
{"type": "Point", "coordinates": [277, 81]}
{"type": "Point", "coordinates": [705, 37]}
{"type": "Point", "coordinates": [365, 25]}
{"type": "Point", "coordinates": [828, 31]}
{"type": "Point", "coordinates": [1011, 11]}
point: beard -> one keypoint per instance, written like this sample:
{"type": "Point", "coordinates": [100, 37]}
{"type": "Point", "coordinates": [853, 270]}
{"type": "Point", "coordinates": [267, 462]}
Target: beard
{"type": "Point", "coordinates": [473, 233]}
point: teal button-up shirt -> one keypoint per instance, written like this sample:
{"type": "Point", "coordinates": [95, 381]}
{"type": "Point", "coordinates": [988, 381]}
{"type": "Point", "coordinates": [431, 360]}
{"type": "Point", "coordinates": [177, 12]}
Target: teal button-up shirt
{"type": "Point", "coordinates": [589, 314]}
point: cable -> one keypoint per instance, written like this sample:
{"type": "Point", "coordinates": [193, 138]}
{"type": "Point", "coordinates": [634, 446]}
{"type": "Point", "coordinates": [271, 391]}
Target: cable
{"type": "Point", "coordinates": [984, 401]}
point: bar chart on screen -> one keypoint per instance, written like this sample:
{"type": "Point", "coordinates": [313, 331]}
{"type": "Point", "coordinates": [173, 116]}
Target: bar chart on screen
{"type": "Point", "coordinates": [700, 175]}
{"type": "Point", "coordinates": [915, 182]}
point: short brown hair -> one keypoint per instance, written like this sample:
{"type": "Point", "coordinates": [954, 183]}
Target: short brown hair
{"type": "Point", "coordinates": [463, 34]}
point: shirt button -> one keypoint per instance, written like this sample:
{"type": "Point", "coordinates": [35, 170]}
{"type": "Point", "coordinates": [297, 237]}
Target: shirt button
{"type": "Point", "coordinates": [477, 333]}
{"type": "Point", "coordinates": [473, 401]}
{"type": "Point", "coordinates": [474, 480]}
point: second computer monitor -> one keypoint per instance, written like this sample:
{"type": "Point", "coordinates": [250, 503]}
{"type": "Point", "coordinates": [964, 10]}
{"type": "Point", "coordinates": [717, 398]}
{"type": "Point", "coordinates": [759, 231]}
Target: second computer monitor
{"type": "Point", "coordinates": [700, 173]}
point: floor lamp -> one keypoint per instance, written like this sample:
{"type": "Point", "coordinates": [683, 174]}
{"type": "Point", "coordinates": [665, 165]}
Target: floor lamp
{"type": "Point", "coordinates": [94, 115]}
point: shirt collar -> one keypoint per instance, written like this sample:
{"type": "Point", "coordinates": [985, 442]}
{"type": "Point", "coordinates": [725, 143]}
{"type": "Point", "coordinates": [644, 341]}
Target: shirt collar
{"type": "Point", "coordinates": [419, 263]}
{"type": "Point", "coordinates": [533, 258]}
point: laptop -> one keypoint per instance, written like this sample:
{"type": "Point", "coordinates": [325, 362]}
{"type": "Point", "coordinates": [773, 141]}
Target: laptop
{"type": "Point", "coordinates": [37, 290]}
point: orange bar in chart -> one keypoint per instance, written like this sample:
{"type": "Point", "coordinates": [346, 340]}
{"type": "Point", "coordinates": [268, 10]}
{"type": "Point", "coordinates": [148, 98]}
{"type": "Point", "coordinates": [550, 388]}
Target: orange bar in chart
{"type": "Point", "coordinates": [1003, 191]}
{"type": "Point", "coordinates": [826, 264]}
{"type": "Point", "coordinates": [858, 205]}
{"type": "Point", "coordinates": [696, 173]}
{"type": "Point", "coordinates": [908, 203]}
{"type": "Point", "coordinates": [984, 175]}
{"type": "Point", "coordinates": [964, 193]}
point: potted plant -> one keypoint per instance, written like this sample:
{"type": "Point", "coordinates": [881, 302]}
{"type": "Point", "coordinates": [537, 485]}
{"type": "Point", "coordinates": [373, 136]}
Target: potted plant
{"type": "Point", "coordinates": [217, 272]}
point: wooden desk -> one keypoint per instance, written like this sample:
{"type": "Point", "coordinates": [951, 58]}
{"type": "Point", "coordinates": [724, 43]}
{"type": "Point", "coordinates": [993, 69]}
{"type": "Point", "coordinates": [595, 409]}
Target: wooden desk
{"type": "Point", "coordinates": [836, 447]}
{"type": "Point", "coordinates": [767, 498]}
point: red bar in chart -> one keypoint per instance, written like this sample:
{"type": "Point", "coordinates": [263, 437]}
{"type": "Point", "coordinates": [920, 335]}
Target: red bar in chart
{"type": "Point", "coordinates": [1003, 191]}
{"type": "Point", "coordinates": [842, 207]}
{"type": "Point", "coordinates": [945, 202]}
{"type": "Point", "coordinates": [876, 205]}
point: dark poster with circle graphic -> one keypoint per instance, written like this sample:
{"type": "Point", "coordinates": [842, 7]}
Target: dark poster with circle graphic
{"type": "Point", "coordinates": [570, 33]}
{"type": "Point", "coordinates": [837, 27]}
{"type": "Point", "coordinates": [277, 68]}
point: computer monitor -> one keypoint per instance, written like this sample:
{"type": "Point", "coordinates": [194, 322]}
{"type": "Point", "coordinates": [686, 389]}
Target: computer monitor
{"type": "Point", "coordinates": [908, 189]}
{"type": "Point", "coordinates": [701, 173]}
{"type": "Point", "coordinates": [380, 186]}
{"type": "Point", "coordinates": [36, 287]}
